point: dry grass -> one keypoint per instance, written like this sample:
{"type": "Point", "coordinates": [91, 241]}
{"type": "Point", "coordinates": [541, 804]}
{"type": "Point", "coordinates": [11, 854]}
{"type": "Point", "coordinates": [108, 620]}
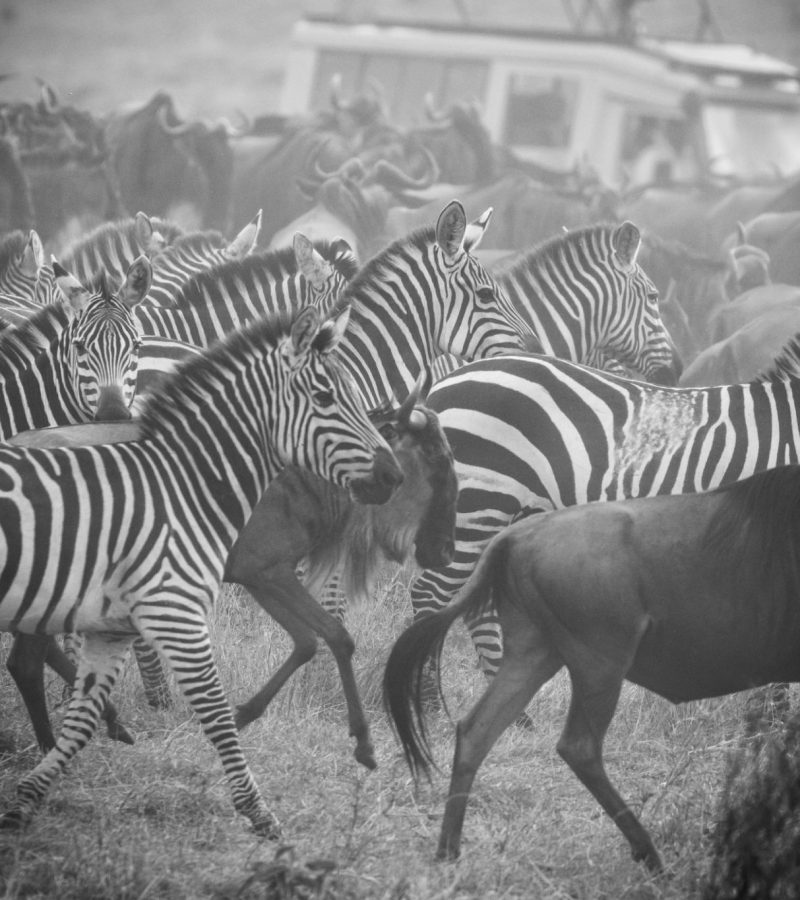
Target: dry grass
{"type": "Point", "coordinates": [155, 820]}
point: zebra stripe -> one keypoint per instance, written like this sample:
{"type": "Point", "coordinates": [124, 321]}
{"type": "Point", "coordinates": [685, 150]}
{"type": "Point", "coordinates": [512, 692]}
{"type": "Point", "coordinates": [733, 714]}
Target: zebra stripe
{"type": "Point", "coordinates": [531, 434]}
{"type": "Point", "coordinates": [120, 539]}
{"type": "Point", "coordinates": [174, 255]}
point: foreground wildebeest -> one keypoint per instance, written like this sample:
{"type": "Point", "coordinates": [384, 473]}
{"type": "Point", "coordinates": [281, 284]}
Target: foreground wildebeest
{"type": "Point", "coordinates": [690, 596]}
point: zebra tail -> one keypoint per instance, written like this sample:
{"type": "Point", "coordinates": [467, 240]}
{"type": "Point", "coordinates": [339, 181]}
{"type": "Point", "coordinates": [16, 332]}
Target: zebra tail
{"type": "Point", "coordinates": [406, 668]}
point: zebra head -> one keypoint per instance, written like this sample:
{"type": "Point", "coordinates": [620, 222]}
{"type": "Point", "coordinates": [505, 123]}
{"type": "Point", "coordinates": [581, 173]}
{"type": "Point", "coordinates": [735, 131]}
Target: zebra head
{"type": "Point", "coordinates": [633, 331]}
{"type": "Point", "coordinates": [101, 343]}
{"type": "Point", "coordinates": [478, 320]}
{"type": "Point", "coordinates": [321, 422]}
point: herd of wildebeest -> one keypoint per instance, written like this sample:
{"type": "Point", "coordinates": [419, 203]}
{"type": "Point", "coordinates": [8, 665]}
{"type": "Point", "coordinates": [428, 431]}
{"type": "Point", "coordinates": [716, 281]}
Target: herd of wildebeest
{"type": "Point", "coordinates": [691, 595]}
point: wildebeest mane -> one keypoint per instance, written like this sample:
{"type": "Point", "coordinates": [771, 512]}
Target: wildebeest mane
{"type": "Point", "coordinates": [756, 528]}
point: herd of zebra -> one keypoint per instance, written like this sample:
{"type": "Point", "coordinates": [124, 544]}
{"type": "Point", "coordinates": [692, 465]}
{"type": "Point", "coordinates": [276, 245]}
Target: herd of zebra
{"type": "Point", "coordinates": [245, 374]}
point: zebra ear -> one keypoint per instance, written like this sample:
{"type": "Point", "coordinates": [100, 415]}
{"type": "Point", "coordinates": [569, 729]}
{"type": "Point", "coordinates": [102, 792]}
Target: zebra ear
{"type": "Point", "coordinates": [32, 255]}
{"type": "Point", "coordinates": [311, 263]}
{"type": "Point", "coordinates": [245, 241]}
{"type": "Point", "coordinates": [450, 228]}
{"type": "Point", "coordinates": [627, 240]}
{"type": "Point", "coordinates": [74, 293]}
{"type": "Point", "coordinates": [150, 240]}
{"type": "Point", "coordinates": [476, 230]}
{"type": "Point", "coordinates": [304, 329]}
{"type": "Point", "coordinates": [332, 332]}
{"type": "Point", "coordinates": [137, 282]}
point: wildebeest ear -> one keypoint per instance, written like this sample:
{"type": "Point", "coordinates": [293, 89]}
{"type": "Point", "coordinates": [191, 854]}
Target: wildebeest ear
{"type": "Point", "coordinates": [627, 241]}
{"type": "Point", "coordinates": [450, 228]}
{"type": "Point", "coordinates": [137, 282]}
{"type": "Point", "coordinates": [245, 241]}
{"type": "Point", "coordinates": [310, 262]}
{"type": "Point", "coordinates": [476, 230]}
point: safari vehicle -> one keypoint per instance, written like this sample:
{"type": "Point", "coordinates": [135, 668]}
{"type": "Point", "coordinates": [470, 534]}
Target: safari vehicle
{"type": "Point", "coordinates": [638, 109]}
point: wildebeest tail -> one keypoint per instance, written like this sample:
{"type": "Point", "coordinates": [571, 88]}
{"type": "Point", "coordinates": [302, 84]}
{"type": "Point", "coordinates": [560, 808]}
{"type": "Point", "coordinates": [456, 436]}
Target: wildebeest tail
{"type": "Point", "coordinates": [406, 668]}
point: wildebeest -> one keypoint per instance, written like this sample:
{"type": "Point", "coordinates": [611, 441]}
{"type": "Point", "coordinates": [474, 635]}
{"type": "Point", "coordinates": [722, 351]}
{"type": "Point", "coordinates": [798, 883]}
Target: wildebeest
{"type": "Point", "coordinates": [689, 596]}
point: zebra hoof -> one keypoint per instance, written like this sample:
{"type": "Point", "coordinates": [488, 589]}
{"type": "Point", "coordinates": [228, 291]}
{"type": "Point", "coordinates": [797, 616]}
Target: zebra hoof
{"type": "Point", "coordinates": [13, 820]}
{"type": "Point", "coordinates": [268, 828]}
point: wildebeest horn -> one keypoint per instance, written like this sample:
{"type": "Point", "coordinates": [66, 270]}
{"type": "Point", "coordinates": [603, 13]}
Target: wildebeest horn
{"type": "Point", "coordinates": [175, 130]}
{"type": "Point", "coordinates": [407, 414]}
{"type": "Point", "coordinates": [351, 168]}
{"type": "Point", "coordinates": [394, 179]}
{"type": "Point", "coordinates": [234, 131]}
{"type": "Point", "coordinates": [49, 96]}
{"type": "Point", "coordinates": [336, 91]}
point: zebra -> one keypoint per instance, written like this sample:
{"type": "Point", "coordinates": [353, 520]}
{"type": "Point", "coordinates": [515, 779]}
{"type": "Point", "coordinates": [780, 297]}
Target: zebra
{"type": "Point", "coordinates": [175, 255]}
{"type": "Point", "coordinates": [537, 433]}
{"type": "Point", "coordinates": [224, 297]}
{"type": "Point", "coordinates": [26, 280]}
{"type": "Point", "coordinates": [124, 539]}
{"type": "Point", "coordinates": [74, 361]}
{"type": "Point", "coordinates": [587, 299]}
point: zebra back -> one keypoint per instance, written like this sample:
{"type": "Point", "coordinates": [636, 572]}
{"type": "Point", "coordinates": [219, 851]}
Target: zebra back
{"type": "Point", "coordinates": [26, 280]}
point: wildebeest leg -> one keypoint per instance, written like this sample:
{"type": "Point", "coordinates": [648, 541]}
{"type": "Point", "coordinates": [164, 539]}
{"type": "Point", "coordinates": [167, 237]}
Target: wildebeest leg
{"type": "Point", "coordinates": [25, 664]}
{"type": "Point", "coordinates": [594, 699]}
{"type": "Point", "coordinates": [289, 603]}
{"type": "Point", "coordinates": [528, 663]}
{"type": "Point", "coordinates": [29, 653]}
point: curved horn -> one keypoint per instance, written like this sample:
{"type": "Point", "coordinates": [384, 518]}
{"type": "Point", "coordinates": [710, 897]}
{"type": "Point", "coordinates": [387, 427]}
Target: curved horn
{"type": "Point", "coordinates": [405, 413]}
{"type": "Point", "coordinates": [175, 130]}
{"type": "Point", "coordinates": [49, 96]}
{"type": "Point", "coordinates": [351, 168]}
{"type": "Point", "coordinates": [395, 180]}
{"type": "Point", "coordinates": [335, 91]}
{"type": "Point", "coordinates": [235, 131]}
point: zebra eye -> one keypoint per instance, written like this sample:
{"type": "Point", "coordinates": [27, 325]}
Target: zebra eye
{"type": "Point", "coordinates": [79, 346]}
{"type": "Point", "coordinates": [486, 294]}
{"type": "Point", "coordinates": [324, 398]}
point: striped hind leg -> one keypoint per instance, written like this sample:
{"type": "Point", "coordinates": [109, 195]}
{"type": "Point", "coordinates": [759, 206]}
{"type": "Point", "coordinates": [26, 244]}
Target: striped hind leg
{"type": "Point", "coordinates": [101, 659]}
{"type": "Point", "coordinates": [184, 644]}
{"type": "Point", "coordinates": [154, 680]}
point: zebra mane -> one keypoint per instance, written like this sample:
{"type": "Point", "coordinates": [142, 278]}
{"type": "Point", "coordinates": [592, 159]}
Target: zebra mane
{"type": "Point", "coordinates": [19, 343]}
{"type": "Point", "coordinates": [373, 270]}
{"type": "Point", "coordinates": [275, 264]}
{"type": "Point", "coordinates": [756, 528]}
{"type": "Point", "coordinates": [553, 247]}
{"type": "Point", "coordinates": [196, 240]}
{"type": "Point", "coordinates": [196, 375]}
{"type": "Point", "coordinates": [786, 365]}
{"type": "Point", "coordinates": [11, 247]}
{"type": "Point", "coordinates": [124, 228]}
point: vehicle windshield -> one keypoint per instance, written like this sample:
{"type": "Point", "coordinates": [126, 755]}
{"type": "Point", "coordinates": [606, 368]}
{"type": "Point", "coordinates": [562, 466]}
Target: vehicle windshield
{"type": "Point", "coordinates": [752, 141]}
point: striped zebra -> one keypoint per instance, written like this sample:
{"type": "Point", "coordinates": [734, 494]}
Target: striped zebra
{"type": "Point", "coordinates": [74, 361]}
{"type": "Point", "coordinates": [587, 300]}
{"type": "Point", "coordinates": [227, 296]}
{"type": "Point", "coordinates": [175, 256]}
{"type": "Point", "coordinates": [423, 295]}
{"type": "Point", "coordinates": [26, 280]}
{"type": "Point", "coordinates": [532, 434]}
{"type": "Point", "coordinates": [124, 539]}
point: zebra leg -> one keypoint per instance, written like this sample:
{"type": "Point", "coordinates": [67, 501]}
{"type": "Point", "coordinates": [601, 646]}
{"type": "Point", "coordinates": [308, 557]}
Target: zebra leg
{"type": "Point", "coordinates": [156, 688]}
{"type": "Point", "coordinates": [186, 648]}
{"type": "Point", "coordinates": [101, 660]}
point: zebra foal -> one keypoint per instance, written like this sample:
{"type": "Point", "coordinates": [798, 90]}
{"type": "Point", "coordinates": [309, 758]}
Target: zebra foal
{"type": "Point", "coordinates": [131, 539]}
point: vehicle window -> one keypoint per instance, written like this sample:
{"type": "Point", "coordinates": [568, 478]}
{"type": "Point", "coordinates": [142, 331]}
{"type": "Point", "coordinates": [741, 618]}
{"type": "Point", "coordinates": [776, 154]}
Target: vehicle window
{"type": "Point", "coordinates": [752, 141]}
{"type": "Point", "coordinates": [405, 80]}
{"type": "Point", "coordinates": [540, 110]}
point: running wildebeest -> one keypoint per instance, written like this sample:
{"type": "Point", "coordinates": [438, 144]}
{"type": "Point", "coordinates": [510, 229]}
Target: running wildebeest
{"type": "Point", "coordinates": [690, 596]}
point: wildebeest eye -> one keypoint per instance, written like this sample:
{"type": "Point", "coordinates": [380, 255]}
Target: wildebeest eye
{"type": "Point", "coordinates": [388, 432]}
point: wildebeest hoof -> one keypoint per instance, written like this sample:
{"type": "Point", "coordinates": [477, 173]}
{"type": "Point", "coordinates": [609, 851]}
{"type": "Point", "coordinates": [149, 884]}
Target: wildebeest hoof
{"type": "Point", "coordinates": [366, 756]}
{"type": "Point", "coordinates": [118, 732]}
